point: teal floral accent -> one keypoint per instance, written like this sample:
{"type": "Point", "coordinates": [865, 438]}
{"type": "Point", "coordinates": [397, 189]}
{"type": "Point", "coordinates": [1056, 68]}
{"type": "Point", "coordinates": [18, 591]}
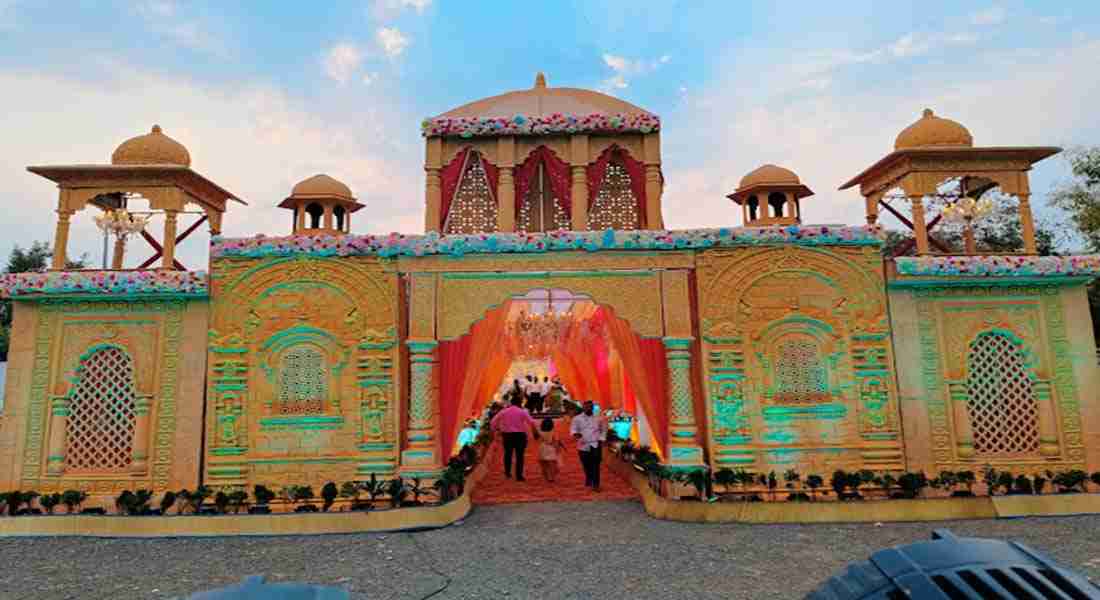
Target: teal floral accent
{"type": "Point", "coordinates": [145, 282]}
{"type": "Point", "coordinates": [557, 123]}
{"type": "Point", "coordinates": [434, 244]}
{"type": "Point", "coordinates": [1000, 266]}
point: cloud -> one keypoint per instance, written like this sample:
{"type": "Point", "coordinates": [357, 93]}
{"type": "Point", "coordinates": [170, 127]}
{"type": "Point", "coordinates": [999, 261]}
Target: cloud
{"type": "Point", "coordinates": [252, 139]}
{"type": "Point", "coordinates": [625, 68]}
{"type": "Point", "coordinates": [384, 10]}
{"type": "Point", "coordinates": [990, 16]}
{"type": "Point", "coordinates": [164, 18]}
{"type": "Point", "coordinates": [342, 61]}
{"type": "Point", "coordinates": [392, 42]}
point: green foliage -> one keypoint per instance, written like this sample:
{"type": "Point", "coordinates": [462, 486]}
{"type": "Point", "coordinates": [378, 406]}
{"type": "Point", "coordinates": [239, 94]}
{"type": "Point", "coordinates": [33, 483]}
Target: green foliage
{"type": "Point", "coordinates": [221, 502]}
{"type": "Point", "coordinates": [1081, 197]}
{"type": "Point", "coordinates": [813, 482]}
{"type": "Point", "coordinates": [263, 494]}
{"type": "Point", "coordinates": [50, 502]}
{"type": "Point", "coordinates": [351, 490]}
{"type": "Point", "coordinates": [1038, 483]}
{"type": "Point", "coordinates": [912, 483]}
{"type": "Point", "coordinates": [1022, 485]}
{"type": "Point", "coordinates": [1095, 478]}
{"type": "Point", "coordinates": [72, 499]}
{"type": "Point", "coordinates": [699, 478]}
{"type": "Point", "coordinates": [328, 495]}
{"type": "Point", "coordinates": [167, 501]}
{"type": "Point", "coordinates": [966, 479]}
{"type": "Point", "coordinates": [397, 491]}
{"type": "Point", "coordinates": [1070, 481]}
{"type": "Point", "coordinates": [134, 503]}
{"type": "Point", "coordinates": [194, 500]}
{"type": "Point", "coordinates": [33, 259]}
{"type": "Point", "coordinates": [237, 499]}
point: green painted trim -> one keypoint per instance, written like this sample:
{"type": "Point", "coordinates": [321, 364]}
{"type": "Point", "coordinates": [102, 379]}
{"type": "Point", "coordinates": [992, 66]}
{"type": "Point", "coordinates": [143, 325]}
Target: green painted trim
{"type": "Point", "coordinates": [108, 297]}
{"type": "Point", "coordinates": [421, 346]}
{"type": "Point", "coordinates": [676, 343]}
{"type": "Point", "coordinates": [981, 282]}
{"type": "Point", "coordinates": [217, 350]}
{"type": "Point", "coordinates": [228, 451]}
{"type": "Point", "coordinates": [376, 446]}
{"type": "Point", "coordinates": [546, 275]}
{"type": "Point", "coordinates": [303, 461]}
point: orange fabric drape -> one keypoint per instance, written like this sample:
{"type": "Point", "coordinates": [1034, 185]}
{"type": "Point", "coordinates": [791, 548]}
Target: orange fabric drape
{"type": "Point", "coordinates": [647, 369]}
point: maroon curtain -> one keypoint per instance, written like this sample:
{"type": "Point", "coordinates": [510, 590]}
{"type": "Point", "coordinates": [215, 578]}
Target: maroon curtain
{"type": "Point", "coordinates": [492, 174]}
{"type": "Point", "coordinates": [635, 168]}
{"type": "Point", "coordinates": [449, 176]}
{"type": "Point", "coordinates": [557, 171]}
{"type": "Point", "coordinates": [453, 359]}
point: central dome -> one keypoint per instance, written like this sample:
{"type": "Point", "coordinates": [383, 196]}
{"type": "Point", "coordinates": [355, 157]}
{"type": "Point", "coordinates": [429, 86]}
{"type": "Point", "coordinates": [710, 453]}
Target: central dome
{"type": "Point", "coordinates": [770, 175]}
{"type": "Point", "coordinates": [933, 131]}
{"type": "Point", "coordinates": [321, 186]}
{"type": "Point", "coordinates": [541, 101]}
{"type": "Point", "coordinates": [153, 148]}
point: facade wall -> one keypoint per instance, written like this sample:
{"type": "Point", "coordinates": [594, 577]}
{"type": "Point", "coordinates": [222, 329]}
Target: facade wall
{"type": "Point", "coordinates": [798, 360]}
{"type": "Point", "coordinates": [1028, 345]}
{"type": "Point", "coordinates": [156, 404]}
{"type": "Point", "coordinates": [303, 379]}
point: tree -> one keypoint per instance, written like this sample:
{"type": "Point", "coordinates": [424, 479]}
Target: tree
{"type": "Point", "coordinates": [30, 260]}
{"type": "Point", "coordinates": [1081, 199]}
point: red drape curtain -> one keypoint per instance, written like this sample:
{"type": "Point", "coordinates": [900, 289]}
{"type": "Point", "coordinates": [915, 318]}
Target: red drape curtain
{"type": "Point", "coordinates": [450, 176]}
{"type": "Point", "coordinates": [635, 168]}
{"type": "Point", "coordinates": [454, 356]}
{"type": "Point", "coordinates": [557, 171]}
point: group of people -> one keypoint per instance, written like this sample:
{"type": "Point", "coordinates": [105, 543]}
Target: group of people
{"type": "Point", "coordinates": [539, 396]}
{"type": "Point", "coordinates": [514, 422]}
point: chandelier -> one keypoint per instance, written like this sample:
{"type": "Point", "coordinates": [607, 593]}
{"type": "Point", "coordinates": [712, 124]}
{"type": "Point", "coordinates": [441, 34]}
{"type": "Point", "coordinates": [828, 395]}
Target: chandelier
{"type": "Point", "coordinates": [536, 334]}
{"type": "Point", "coordinates": [120, 223]}
{"type": "Point", "coordinates": [967, 210]}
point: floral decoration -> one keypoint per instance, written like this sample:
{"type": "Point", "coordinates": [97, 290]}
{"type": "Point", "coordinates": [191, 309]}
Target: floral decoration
{"type": "Point", "coordinates": [1000, 266]}
{"type": "Point", "coordinates": [21, 285]}
{"type": "Point", "coordinates": [557, 123]}
{"type": "Point", "coordinates": [396, 244]}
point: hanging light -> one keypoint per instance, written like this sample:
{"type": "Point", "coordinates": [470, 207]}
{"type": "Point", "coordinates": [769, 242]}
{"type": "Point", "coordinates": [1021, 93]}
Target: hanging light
{"type": "Point", "coordinates": [537, 334]}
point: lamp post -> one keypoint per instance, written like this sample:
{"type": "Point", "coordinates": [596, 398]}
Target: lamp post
{"type": "Point", "coordinates": [967, 210]}
{"type": "Point", "coordinates": [121, 224]}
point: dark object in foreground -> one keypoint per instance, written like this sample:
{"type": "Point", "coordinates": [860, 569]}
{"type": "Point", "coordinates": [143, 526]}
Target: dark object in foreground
{"type": "Point", "coordinates": [953, 568]}
{"type": "Point", "coordinates": [254, 588]}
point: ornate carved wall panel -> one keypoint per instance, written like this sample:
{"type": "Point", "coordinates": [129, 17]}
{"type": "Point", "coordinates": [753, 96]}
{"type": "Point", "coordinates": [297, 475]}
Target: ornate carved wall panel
{"type": "Point", "coordinates": [798, 359]}
{"type": "Point", "coordinates": [302, 381]}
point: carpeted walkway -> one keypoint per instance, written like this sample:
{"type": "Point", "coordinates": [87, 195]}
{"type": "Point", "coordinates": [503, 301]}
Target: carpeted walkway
{"type": "Point", "coordinates": [569, 486]}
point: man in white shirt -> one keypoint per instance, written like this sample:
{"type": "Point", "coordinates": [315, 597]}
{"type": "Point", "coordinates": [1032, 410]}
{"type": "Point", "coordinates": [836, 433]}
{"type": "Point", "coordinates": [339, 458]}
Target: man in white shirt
{"type": "Point", "coordinates": [590, 431]}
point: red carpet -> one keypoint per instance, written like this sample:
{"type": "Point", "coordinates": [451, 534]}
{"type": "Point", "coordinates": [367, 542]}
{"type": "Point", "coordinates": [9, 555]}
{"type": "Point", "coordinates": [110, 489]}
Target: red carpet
{"type": "Point", "coordinates": [569, 486]}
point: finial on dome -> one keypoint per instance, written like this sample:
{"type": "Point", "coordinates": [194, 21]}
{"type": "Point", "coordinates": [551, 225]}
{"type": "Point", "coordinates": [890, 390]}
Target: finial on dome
{"type": "Point", "coordinates": [540, 80]}
{"type": "Point", "coordinates": [156, 129]}
{"type": "Point", "coordinates": [928, 113]}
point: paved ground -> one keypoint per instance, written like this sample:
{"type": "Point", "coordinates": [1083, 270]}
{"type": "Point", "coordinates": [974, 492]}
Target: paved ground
{"type": "Point", "coordinates": [545, 551]}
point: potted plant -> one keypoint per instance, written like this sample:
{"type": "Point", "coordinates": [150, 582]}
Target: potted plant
{"type": "Point", "coordinates": [301, 496]}
{"type": "Point", "coordinates": [1095, 478]}
{"type": "Point", "coordinates": [947, 481]}
{"type": "Point", "coordinates": [350, 490]}
{"type": "Point", "coordinates": [814, 482]}
{"type": "Point", "coordinates": [794, 478]}
{"type": "Point", "coordinates": [329, 492]}
{"type": "Point", "coordinates": [238, 498]}
{"type": "Point", "coordinates": [889, 482]}
{"type": "Point", "coordinates": [397, 491]}
{"type": "Point", "coordinates": [50, 502]}
{"type": "Point", "coordinates": [1021, 486]}
{"type": "Point", "coordinates": [990, 478]}
{"type": "Point", "coordinates": [12, 501]}
{"type": "Point", "coordinates": [221, 502]}
{"type": "Point", "coordinates": [912, 483]}
{"type": "Point", "coordinates": [374, 489]}
{"type": "Point", "coordinates": [727, 478]}
{"type": "Point", "coordinates": [842, 481]}
{"type": "Point", "coordinates": [166, 501]}
{"type": "Point", "coordinates": [263, 496]}
{"type": "Point", "coordinates": [1070, 482]}
{"type": "Point", "coordinates": [1038, 483]}
{"type": "Point", "coordinates": [72, 499]}
{"type": "Point", "coordinates": [966, 479]}
{"type": "Point", "coordinates": [134, 503]}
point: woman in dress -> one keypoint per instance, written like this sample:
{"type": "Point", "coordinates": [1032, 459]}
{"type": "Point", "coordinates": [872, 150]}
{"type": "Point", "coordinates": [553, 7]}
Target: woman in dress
{"type": "Point", "coordinates": [550, 449]}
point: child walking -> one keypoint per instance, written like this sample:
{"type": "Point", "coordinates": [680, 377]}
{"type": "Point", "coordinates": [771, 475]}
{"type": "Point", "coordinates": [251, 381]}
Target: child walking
{"type": "Point", "coordinates": [550, 448]}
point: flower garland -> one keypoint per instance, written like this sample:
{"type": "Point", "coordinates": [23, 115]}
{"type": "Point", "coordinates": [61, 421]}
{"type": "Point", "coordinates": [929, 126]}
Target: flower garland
{"type": "Point", "coordinates": [557, 123]}
{"type": "Point", "coordinates": [189, 283]}
{"type": "Point", "coordinates": [1000, 266]}
{"type": "Point", "coordinates": [522, 243]}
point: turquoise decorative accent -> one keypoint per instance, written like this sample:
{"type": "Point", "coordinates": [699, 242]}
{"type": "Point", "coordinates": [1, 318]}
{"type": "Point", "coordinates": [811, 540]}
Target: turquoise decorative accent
{"type": "Point", "coordinates": [1000, 266]}
{"type": "Point", "coordinates": [302, 423]}
{"type": "Point", "coordinates": [229, 451]}
{"type": "Point", "coordinates": [433, 244]}
{"type": "Point", "coordinates": [552, 124]}
{"type": "Point", "coordinates": [988, 282]}
{"type": "Point", "coordinates": [145, 283]}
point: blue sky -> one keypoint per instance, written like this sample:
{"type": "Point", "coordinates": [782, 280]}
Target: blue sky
{"type": "Point", "coordinates": [267, 93]}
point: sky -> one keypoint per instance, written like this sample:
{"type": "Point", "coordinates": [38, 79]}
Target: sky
{"type": "Point", "coordinates": [265, 94]}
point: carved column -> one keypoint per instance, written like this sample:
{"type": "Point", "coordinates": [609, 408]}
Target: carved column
{"type": "Point", "coordinates": [872, 208]}
{"type": "Point", "coordinates": [684, 448]}
{"type": "Point", "coordinates": [970, 245]}
{"type": "Point", "coordinates": [1027, 223]}
{"type": "Point", "coordinates": [327, 222]}
{"type": "Point", "coordinates": [421, 457]}
{"type": "Point", "coordinates": [433, 193]}
{"type": "Point", "coordinates": [506, 200]}
{"type": "Point", "coordinates": [61, 239]}
{"type": "Point", "coordinates": [120, 251]}
{"type": "Point", "coordinates": [140, 449]}
{"type": "Point", "coordinates": [580, 199]}
{"type": "Point", "coordinates": [960, 415]}
{"type": "Point", "coordinates": [170, 216]}
{"type": "Point", "coordinates": [1048, 429]}
{"type": "Point", "coordinates": [59, 421]}
{"type": "Point", "coordinates": [920, 230]}
{"type": "Point", "coordinates": [214, 219]}
{"type": "Point", "coordinates": [653, 197]}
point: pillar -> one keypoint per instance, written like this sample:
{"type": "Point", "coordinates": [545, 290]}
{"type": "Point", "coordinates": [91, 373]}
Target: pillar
{"type": "Point", "coordinates": [140, 450]}
{"type": "Point", "coordinates": [170, 216]}
{"type": "Point", "coordinates": [971, 245]}
{"type": "Point", "coordinates": [580, 199]}
{"type": "Point", "coordinates": [326, 223]}
{"type": "Point", "coordinates": [920, 230]}
{"type": "Point", "coordinates": [1048, 428]}
{"type": "Point", "coordinates": [506, 200]}
{"type": "Point", "coordinates": [421, 457]}
{"type": "Point", "coordinates": [61, 239]}
{"type": "Point", "coordinates": [433, 193]}
{"type": "Point", "coordinates": [684, 449]}
{"type": "Point", "coordinates": [59, 421]}
{"type": "Point", "coordinates": [120, 250]}
{"type": "Point", "coordinates": [960, 415]}
{"type": "Point", "coordinates": [653, 197]}
{"type": "Point", "coordinates": [301, 219]}
{"type": "Point", "coordinates": [214, 220]}
{"type": "Point", "coordinates": [1027, 223]}
{"type": "Point", "coordinates": [792, 210]}
{"type": "Point", "coordinates": [872, 208]}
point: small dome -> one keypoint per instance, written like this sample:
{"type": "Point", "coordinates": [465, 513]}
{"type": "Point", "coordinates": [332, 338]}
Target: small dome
{"type": "Point", "coordinates": [931, 130]}
{"type": "Point", "coordinates": [153, 148]}
{"type": "Point", "coordinates": [321, 186]}
{"type": "Point", "coordinates": [770, 175]}
{"type": "Point", "coordinates": [541, 100]}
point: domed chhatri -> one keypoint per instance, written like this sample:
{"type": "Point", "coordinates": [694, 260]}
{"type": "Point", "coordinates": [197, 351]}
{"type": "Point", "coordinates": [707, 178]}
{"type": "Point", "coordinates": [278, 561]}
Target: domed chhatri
{"type": "Point", "coordinates": [321, 205]}
{"type": "Point", "coordinates": [153, 148]}
{"type": "Point", "coordinates": [541, 100]}
{"type": "Point", "coordinates": [933, 131]}
{"type": "Point", "coordinates": [771, 195]}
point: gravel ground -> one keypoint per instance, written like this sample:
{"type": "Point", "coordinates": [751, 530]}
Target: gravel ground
{"type": "Point", "coordinates": [545, 551]}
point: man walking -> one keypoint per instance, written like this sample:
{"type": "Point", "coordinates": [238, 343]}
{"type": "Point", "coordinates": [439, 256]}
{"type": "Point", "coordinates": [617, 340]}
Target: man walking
{"type": "Point", "coordinates": [590, 431]}
{"type": "Point", "coordinates": [513, 423]}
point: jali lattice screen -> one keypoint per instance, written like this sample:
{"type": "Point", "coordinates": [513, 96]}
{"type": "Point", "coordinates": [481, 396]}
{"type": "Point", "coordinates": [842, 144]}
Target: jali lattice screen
{"type": "Point", "coordinates": [1003, 413]}
{"type": "Point", "coordinates": [101, 418]}
{"type": "Point", "coordinates": [615, 206]}
{"type": "Point", "coordinates": [303, 381]}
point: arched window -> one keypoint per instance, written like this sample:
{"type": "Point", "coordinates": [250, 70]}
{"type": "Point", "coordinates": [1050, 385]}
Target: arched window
{"type": "Point", "coordinates": [615, 206]}
{"type": "Point", "coordinates": [339, 213]}
{"type": "Point", "coordinates": [800, 374]}
{"type": "Point", "coordinates": [541, 209]}
{"type": "Point", "coordinates": [474, 208]}
{"type": "Point", "coordinates": [777, 200]}
{"type": "Point", "coordinates": [315, 212]}
{"type": "Point", "coordinates": [303, 381]}
{"type": "Point", "coordinates": [1003, 414]}
{"type": "Point", "coordinates": [100, 431]}
{"type": "Point", "coordinates": [754, 205]}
